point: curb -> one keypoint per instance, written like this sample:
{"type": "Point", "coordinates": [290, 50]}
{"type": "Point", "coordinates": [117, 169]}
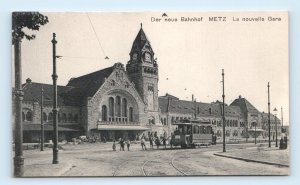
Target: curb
{"type": "Point", "coordinates": [251, 160]}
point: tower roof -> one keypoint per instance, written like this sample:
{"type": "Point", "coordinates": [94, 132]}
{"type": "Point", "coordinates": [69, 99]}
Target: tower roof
{"type": "Point", "coordinates": [139, 41]}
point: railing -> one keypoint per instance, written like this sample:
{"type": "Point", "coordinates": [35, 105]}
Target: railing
{"type": "Point", "coordinates": [117, 123]}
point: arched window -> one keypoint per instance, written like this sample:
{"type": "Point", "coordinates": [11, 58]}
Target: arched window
{"type": "Point", "coordinates": [28, 116]}
{"type": "Point", "coordinates": [130, 114]}
{"type": "Point", "coordinates": [118, 106]}
{"type": "Point", "coordinates": [76, 118]}
{"type": "Point", "coordinates": [124, 108]}
{"type": "Point", "coordinates": [70, 117]}
{"type": "Point", "coordinates": [111, 109]}
{"type": "Point", "coordinates": [50, 116]}
{"type": "Point", "coordinates": [45, 116]}
{"type": "Point", "coordinates": [104, 113]}
{"type": "Point", "coordinates": [23, 116]}
{"type": "Point", "coordinates": [113, 83]}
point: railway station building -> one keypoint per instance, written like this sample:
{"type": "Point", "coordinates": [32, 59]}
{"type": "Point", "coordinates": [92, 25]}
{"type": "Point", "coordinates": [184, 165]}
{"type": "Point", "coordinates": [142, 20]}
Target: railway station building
{"type": "Point", "coordinates": [123, 101]}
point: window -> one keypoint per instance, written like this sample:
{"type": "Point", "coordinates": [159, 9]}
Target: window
{"type": "Point", "coordinates": [23, 116]}
{"type": "Point", "coordinates": [50, 116]}
{"type": "Point", "coordinates": [150, 87]}
{"type": "Point", "coordinates": [130, 114]}
{"type": "Point", "coordinates": [228, 133]}
{"type": "Point", "coordinates": [45, 116]}
{"type": "Point", "coordinates": [103, 113]}
{"type": "Point", "coordinates": [118, 106]}
{"type": "Point", "coordinates": [111, 108]}
{"type": "Point", "coordinates": [165, 121]}
{"type": "Point", "coordinates": [209, 110]}
{"type": "Point", "coordinates": [112, 83]}
{"type": "Point", "coordinates": [124, 108]}
{"type": "Point", "coordinates": [28, 116]}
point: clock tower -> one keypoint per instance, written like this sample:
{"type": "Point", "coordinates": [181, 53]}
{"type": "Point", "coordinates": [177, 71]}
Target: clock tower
{"type": "Point", "coordinates": [142, 70]}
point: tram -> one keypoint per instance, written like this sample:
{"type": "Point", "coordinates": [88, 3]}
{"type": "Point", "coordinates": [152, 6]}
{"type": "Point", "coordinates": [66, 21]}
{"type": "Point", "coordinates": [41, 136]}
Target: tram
{"type": "Point", "coordinates": [192, 133]}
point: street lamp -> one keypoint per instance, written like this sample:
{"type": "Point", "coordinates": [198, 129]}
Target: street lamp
{"type": "Point", "coordinates": [275, 111]}
{"type": "Point", "coordinates": [54, 110]}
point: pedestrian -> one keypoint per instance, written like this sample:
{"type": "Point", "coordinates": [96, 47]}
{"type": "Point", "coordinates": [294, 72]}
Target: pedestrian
{"type": "Point", "coordinates": [143, 143]}
{"type": "Point", "coordinates": [164, 142]}
{"type": "Point", "coordinates": [157, 142]}
{"type": "Point", "coordinates": [151, 142]}
{"type": "Point", "coordinates": [122, 144]}
{"type": "Point", "coordinates": [128, 144]}
{"type": "Point", "coordinates": [114, 146]}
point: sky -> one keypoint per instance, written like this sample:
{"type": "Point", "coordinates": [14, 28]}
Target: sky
{"type": "Point", "coordinates": [190, 55]}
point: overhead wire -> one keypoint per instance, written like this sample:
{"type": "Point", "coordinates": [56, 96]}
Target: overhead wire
{"type": "Point", "coordinates": [106, 57]}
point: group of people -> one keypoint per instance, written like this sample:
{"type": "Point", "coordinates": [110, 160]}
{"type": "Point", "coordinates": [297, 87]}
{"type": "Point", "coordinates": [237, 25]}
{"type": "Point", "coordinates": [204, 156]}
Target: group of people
{"type": "Point", "coordinates": [122, 143]}
{"type": "Point", "coordinates": [152, 140]}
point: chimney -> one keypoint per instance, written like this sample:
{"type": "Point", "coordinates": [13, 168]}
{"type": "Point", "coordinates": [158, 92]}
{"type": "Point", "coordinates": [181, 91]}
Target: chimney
{"type": "Point", "coordinates": [192, 97]}
{"type": "Point", "coordinates": [240, 96]}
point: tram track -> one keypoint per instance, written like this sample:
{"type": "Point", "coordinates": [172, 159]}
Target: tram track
{"type": "Point", "coordinates": [171, 163]}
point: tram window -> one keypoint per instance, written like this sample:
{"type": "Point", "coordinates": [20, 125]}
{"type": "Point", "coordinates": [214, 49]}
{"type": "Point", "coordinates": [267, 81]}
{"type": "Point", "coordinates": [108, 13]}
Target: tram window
{"type": "Point", "coordinates": [208, 130]}
{"type": "Point", "coordinates": [196, 129]}
{"type": "Point", "coordinates": [202, 130]}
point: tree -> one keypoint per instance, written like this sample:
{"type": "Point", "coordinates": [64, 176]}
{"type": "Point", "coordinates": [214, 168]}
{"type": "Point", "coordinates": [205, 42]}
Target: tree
{"type": "Point", "coordinates": [31, 21]}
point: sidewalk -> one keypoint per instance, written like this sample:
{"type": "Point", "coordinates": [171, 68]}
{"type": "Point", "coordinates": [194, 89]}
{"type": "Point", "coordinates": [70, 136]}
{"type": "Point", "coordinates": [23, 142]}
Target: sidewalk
{"type": "Point", "coordinates": [259, 154]}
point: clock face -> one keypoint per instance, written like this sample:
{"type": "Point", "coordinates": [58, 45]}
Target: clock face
{"type": "Point", "coordinates": [147, 57]}
{"type": "Point", "coordinates": [134, 57]}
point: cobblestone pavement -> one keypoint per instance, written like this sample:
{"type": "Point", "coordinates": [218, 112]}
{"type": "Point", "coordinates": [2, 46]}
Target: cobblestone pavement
{"type": "Point", "coordinates": [98, 159]}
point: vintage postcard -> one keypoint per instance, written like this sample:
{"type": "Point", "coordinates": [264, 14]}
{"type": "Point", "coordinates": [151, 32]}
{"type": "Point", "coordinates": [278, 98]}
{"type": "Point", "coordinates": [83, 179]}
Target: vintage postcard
{"type": "Point", "coordinates": [150, 93]}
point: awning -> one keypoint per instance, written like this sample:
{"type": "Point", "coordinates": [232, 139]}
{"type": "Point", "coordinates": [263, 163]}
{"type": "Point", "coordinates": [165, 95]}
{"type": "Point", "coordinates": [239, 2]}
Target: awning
{"type": "Point", "coordinates": [121, 127]}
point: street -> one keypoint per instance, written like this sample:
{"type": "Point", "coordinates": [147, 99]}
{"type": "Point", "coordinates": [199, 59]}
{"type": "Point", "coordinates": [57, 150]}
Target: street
{"type": "Point", "coordinates": [98, 159]}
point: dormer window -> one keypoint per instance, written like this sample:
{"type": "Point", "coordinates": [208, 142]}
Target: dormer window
{"type": "Point", "coordinates": [112, 83]}
{"type": "Point", "coordinates": [147, 57]}
{"type": "Point", "coordinates": [134, 56]}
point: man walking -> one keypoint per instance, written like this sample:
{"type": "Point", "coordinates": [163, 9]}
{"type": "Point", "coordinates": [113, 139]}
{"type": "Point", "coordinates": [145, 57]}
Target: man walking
{"type": "Point", "coordinates": [143, 143]}
{"type": "Point", "coordinates": [128, 144]}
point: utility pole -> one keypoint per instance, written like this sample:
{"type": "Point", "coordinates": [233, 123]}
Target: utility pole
{"type": "Point", "coordinates": [269, 121]}
{"type": "Point", "coordinates": [275, 112]}
{"type": "Point", "coordinates": [255, 132]}
{"type": "Point", "coordinates": [223, 111]}
{"type": "Point", "coordinates": [281, 120]}
{"type": "Point", "coordinates": [42, 117]}
{"type": "Point", "coordinates": [54, 110]}
{"type": "Point", "coordinates": [18, 159]}
{"type": "Point", "coordinates": [195, 104]}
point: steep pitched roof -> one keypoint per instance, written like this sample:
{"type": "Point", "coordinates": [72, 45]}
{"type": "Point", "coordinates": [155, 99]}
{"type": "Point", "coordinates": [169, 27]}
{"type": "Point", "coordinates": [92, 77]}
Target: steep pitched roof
{"type": "Point", "coordinates": [139, 41]}
{"type": "Point", "coordinates": [245, 105]}
{"type": "Point", "coordinates": [32, 93]}
{"type": "Point", "coordinates": [88, 85]}
{"type": "Point", "coordinates": [202, 109]}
